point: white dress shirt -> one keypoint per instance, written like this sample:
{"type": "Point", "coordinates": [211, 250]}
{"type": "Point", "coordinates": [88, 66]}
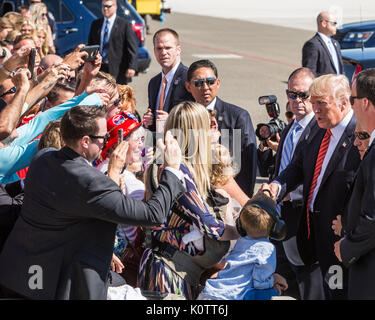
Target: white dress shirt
{"type": "Point", "coordinates": [332, 50]}
{"type": "Point", "coordinates": [169, 76]}
{"type": "Point", "coordinates": [334, 140]}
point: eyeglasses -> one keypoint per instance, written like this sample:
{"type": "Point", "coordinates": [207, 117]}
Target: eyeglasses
{"type": "Point", "coordinates": [10, 91]}
{"type": "Point", "coordinates": [105, 138]}
{"type": "Point", "coordinates": [115, 103]}
{"type": "Point", "coordinates": [44, 14]}
{"type": "Point", "coordinates": [352, 99]}
{"type": "Point", "coordinates": [293, 95]}
{"type": "Point", "coordinates": [332, 23]}
{"type": "Point", "coordinates": [362, 135]}
{"type": "Point", "coordinates": [107, 6]}
{"type": "Point", "coordinates": [200, 82]}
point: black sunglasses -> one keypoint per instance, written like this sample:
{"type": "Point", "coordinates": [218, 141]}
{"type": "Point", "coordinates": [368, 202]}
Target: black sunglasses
{"type": "Point", "coordinates": [352, 99]}
{"type": "Point", "coordinates": [11, 90]}
{"type": "Point", "coordinates": [293, 95]}
{"type": "Point", "coordinates": [362, 135]}
{"type": "Point", "coordinates": [107, 6]}
{"type": "Point", "coordinates": [200, 82]}
{"type": "Point", "coordinates": [105, 137]}
{"type": "Point", "coordinates": [332, 23]}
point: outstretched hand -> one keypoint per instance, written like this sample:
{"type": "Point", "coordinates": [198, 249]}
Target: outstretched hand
{"type": "Point", "coordinates": [171, 151]}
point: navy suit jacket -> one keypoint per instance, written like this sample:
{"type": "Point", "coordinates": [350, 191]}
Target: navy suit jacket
{"type": "Point", "coordinates": [358, 247]}
{"type": "Point", "coordinates": [176, 93]}
{"type": "Point", "coordinates": [122, 47]}
{"type": "Point", "coordinates": [232, 117]}
{"type": "Point", "coordinates": [331, 199]}
{"type": "Point", "coordinates": [67, 226]}
{"type": "Point", "coordinates": [316, 56]}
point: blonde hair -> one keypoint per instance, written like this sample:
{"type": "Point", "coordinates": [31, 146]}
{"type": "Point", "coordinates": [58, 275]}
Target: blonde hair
{"type": "Point", "coordinates": [5, 23]}
{"type": "Point", "coordinates": [36, 10]}
{"type": "Point", "coordinates": [105, 79]}
{"type": "Point", "coordinates": [127, 98]}
{"type": "Point", "coordinates": [222, 166]}
{"type": "Point", "coordinates": [15, 19]}
{"type": "Point", "coordinates": [189, 122]}
{"type": "Point", "coordinates": [333, 85]}
{"type": "Point", "coordinates": [51, 136]}
{"type": "Point", "coordinates": [45, 47]}
{"type": "Point", "coordinates": [255, 221]}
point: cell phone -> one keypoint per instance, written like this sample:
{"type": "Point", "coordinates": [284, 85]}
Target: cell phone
{"type": "Point", "coordinates": [92, 52]}
{"type": "Point", "coordinates": [120, 135]}
{"type": "Point", "coordinates": [31, 63]}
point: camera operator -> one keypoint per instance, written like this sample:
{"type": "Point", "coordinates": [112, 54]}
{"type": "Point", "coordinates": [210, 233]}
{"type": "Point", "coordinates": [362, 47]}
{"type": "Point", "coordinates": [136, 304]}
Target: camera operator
{"type": "Point", "coordinates": [303, 127]}
{"type": "Point", "coordinates": [269, 136]}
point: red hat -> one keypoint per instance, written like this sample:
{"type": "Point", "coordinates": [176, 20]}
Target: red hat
{"type": "Point", "coordinates": [123, 120]}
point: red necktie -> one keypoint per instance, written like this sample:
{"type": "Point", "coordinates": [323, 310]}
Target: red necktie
{"type": "Point", "coordinates": [162, 92]}
{"type": "Point", "coordinates": [318, 167]}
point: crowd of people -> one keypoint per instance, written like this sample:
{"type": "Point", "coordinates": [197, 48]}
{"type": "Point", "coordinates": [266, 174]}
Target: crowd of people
{"type": "Point", "coordinates": [94, 195]}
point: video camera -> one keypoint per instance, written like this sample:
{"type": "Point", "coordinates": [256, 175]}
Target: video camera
{"type": "Point", "coordinates": [275, 125]}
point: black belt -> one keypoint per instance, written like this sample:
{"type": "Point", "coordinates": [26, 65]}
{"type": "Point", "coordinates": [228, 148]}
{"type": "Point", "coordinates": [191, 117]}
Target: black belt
{"type": "Point", "coordinates": [294, 204]}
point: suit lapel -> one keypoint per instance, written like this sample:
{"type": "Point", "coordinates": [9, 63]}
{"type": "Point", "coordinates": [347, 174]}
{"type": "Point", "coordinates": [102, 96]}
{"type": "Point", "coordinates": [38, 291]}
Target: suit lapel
{"type": "Point", "coordinates": [113, 31]}
{"type": "Point", "coordinates": [155, 90]}
{"type": "Point", "coordinates": [280, 148]}
{"type": "Point", "coordinates": [326, 49]}
{"type": "Point", "coordinates": [345, 142]}
{"type": "Point", "coordinates": [219, 113]}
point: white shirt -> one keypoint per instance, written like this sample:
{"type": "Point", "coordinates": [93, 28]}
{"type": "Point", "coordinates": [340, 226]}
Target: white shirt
{"type": "Point", "coordinates": [211, 106]}
{"type": "Point", "coordinates": [169, 76]}
{"type": "Point", "coordinates": [111, 21]}
{"type": "Point", "coordinates": [295, 195]}
{"type": "Point", "coordinates": [331, 49]}
{"type": "Point", "coordinates": [334, 140]}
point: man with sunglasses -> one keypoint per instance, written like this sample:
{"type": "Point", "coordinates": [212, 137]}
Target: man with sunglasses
{"type": "Point", "coordinates": [234, 122]}
{"type": "Point", "coordinates": [117, 41]}
{"type": "Point", "coordinates": [322, 53]}
{"type": "Point", "coordinates": [357, 248]}
{"type": "Point", "coordinates": [71, 211]}
{"type": "Point", "coordinates": [289, 262]}
{"type": "Point", "coordinates": [325, 164]}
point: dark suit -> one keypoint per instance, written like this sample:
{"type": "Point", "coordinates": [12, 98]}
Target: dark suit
{"type": "Point", "coordinates": [308, 277]}
{"type": "Point", "coordinates": [357, 249]}
{"type": "Point", "coordinates": [122, 47]}
{"type": "Point", "coordinates": [230, 117]}
{"type": "Point", "coordinates": [67, 226]}
{"type": "Point", "coordinates": [334, 191]}
{"type": "Point", "coordinates": [176, 93]}
{"type": "Point", "coordinates": [316, 56]}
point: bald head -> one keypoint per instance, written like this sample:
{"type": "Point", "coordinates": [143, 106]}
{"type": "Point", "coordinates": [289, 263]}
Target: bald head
{"type": "Point", "coordinates": [50, 60]}
{"type": "Point", "coordinates": [327, 23]}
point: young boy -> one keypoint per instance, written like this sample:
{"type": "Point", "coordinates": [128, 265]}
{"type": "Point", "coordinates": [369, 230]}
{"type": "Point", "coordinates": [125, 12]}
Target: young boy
{"type": "Point", "coordinates": [249, 272]}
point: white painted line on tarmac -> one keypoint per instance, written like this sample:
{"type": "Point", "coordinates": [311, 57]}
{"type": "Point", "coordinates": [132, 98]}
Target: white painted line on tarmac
{"type": "Point", "coordinates": [217, 56]}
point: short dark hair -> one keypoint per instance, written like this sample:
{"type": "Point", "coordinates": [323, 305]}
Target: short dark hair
{"type": "Point", "coordinates": [80, 121]}
{"type": "Point", "coordinates": [365, 81]}
{"type": "Point", "coordinates": [305, 70]}
{"type": "Point", "coordinates": [200, 64]}
{"type": "Point", "coordinates": [53, 95]}
{"type": "Point", "coordinates": [166, 30]}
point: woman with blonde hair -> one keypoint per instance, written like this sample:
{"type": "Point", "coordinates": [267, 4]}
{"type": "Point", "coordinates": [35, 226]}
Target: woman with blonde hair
{"type": "Point", "coordinates": [39, 18]}
{"type": "Point", "coordinates": [180, 253]}
{"type": "Point", "coordinates": [5, 27]}
{"type": "Point", "coordinates": [41, 41]}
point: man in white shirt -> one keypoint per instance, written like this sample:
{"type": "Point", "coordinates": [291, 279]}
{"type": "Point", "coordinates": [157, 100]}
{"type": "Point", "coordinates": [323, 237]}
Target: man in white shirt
{"type": "Point", "coordinates": [326, 164]}
{"type": "Point", "coordinates": [322, 53]}
{"type": "Point", "coordinates": [117, 41]}
{"type": "Point", "coordinates": [356, 248]}
{"type": "Point", "coordinates": [167, 88]}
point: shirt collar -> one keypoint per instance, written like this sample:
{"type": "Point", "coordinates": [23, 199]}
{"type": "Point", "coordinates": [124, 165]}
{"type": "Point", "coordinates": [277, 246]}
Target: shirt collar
{"type": "Point", "coordinates": [211, 106]}
{"type": "Point", "coordinates": [324, 37]}
{"type": "Point", "coordinates": [340, 128]}
{"type": "Point", "coordinates": [169, 76]}
{"type": "Point", "coordinates": [305, 120]}
{"type": "Point", "coordinates": [111, 19]}
{"type": "Point", "coordinates": [372, 138]}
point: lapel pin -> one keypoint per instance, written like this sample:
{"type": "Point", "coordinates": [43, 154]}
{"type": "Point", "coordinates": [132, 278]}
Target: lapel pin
{"type": "Point", "coordinates": [344, 144]}
{"type": "Point", "coordinates": [176, 82]}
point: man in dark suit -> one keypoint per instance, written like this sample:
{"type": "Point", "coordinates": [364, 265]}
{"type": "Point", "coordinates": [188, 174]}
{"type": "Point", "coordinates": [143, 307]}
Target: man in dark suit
{"type": "Point", "coordinates": [325, 164]}
{"type": "Point", "coordinates": [234, 123]}
{"type": "Point", "coordinates": [167, 88]}
{"type": "Point", "coordinates": [308, 277]}
{"type": "Point", "coordinates": [322, 53]}
{"type": "Point", "coordinates": [356, 249]}
{"type": "Point", "coordinates": [62, 243]}
{"type": "Point", "coordinates": [118, 43]}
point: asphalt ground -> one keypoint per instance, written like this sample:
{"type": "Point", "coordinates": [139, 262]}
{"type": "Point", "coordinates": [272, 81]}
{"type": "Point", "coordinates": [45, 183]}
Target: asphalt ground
{"type": "Point", "coordinates": [252, 59]}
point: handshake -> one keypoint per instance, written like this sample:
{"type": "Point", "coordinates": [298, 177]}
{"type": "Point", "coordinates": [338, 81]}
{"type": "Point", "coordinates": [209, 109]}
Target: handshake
{"type": "Point", "coordinates": [272, 189]}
